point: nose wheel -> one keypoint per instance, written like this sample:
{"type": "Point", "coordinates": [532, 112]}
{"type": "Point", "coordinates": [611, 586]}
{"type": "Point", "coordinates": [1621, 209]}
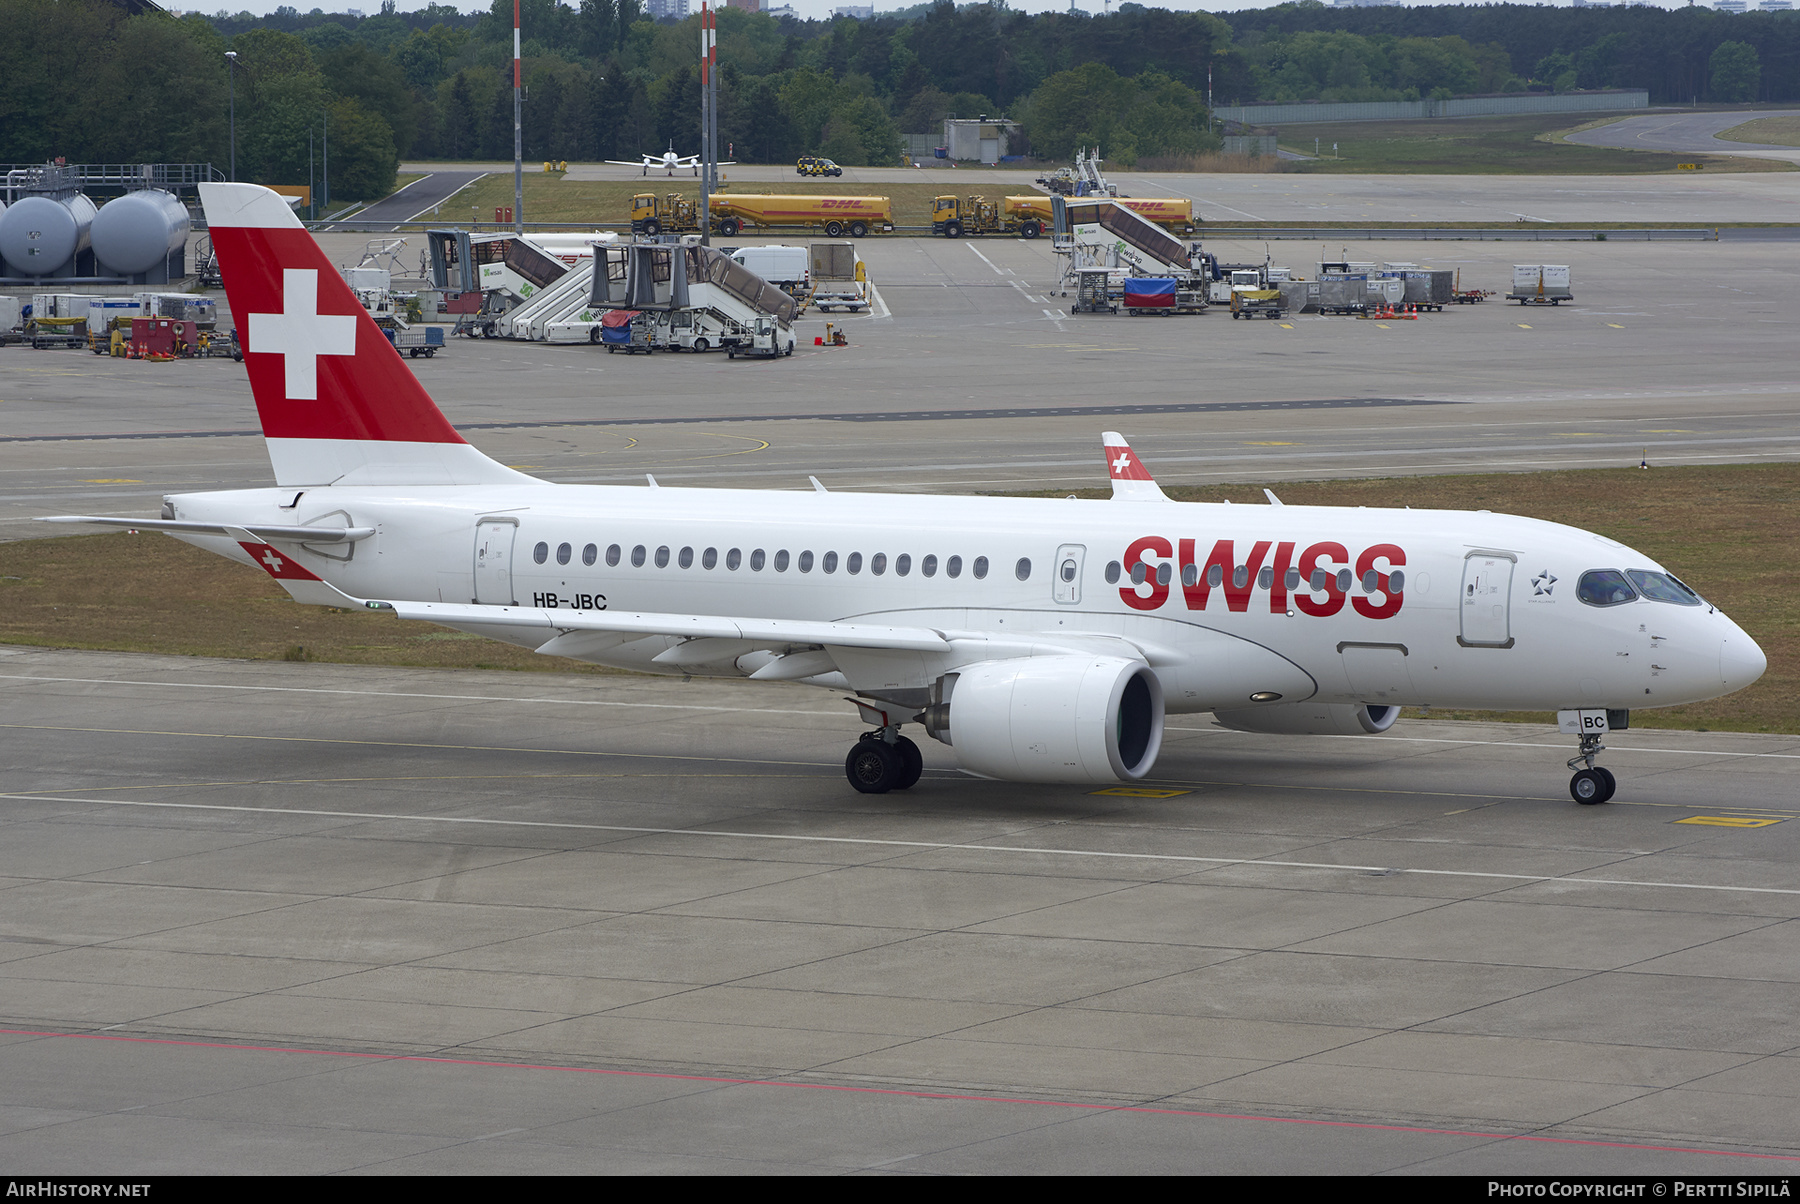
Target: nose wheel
{"type": "Point", "coordinates": [1591, 784]}
{"type": "Point", "coordinates": [883, 760]}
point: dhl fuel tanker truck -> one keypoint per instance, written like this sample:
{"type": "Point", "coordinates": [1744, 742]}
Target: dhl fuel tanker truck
{"type": "Point", "coordinates": [1030, 216]}
{"type": "Point", "coordinates": [733, 212]}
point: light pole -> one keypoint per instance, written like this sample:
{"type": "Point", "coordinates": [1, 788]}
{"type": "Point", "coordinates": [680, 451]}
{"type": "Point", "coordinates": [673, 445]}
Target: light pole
{"type": "Point", "coordinates": [231, 75]}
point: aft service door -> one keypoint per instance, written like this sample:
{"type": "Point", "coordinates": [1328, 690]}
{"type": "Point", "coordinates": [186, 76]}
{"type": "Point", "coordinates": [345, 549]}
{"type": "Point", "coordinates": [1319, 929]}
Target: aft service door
{"type": "Point", "coordinates": [1065, 574]}
{"type": "Point", "coordinates": [1487, 601]}
{"type": "Point", "coordinates": [493, 562]}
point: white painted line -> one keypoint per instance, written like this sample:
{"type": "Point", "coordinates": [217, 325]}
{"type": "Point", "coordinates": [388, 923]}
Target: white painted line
{"type": "Point", "coordinates": [878, 308]}
{"type": "Point", "coordinates": [985, 259]}
{"type": "Point", "coordinates": [574, 702]}
{"type": "Point", "coordinates": [1055, 316]}
{"type": "Point", "coordinates": [923, 845]}
{"type": "Point", "coordinates": [1611, 748]}
{"type": "Point", "coordinates": [435, 204]}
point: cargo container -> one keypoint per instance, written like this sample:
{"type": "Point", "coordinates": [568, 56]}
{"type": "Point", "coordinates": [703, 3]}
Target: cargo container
{"type": "Point", "coordinates": [1540, 284]}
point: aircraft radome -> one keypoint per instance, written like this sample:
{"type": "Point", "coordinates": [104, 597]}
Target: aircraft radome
{"type": "Point", "coordinates": [1043, 640]}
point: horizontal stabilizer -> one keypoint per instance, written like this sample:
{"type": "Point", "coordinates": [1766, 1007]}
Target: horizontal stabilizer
{"type": "Point", "coordinates": [264, 533]}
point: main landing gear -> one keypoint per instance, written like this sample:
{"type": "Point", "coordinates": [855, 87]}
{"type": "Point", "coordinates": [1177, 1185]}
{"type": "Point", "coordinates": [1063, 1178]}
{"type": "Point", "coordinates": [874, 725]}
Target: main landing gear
{"type": "Point", "coordinates": [1591, 784]}
{"type": "Point", "coordinates": [884, 760]}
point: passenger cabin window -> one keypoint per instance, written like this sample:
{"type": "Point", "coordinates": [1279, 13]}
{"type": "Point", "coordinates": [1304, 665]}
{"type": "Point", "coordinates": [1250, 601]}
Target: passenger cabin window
{"type": "Point", "coordinates": [902, 564]}
{"type": "Point", "coordinates": [781, 561]}
{"type": "Point", "coordinates": [953, 567]}
{"type": "Point", "coordinates": [710, 558]}
{"type": "Point", "coordinates": [1112, 573]}
{"type": "Point", "coordinates": [563, 552]}
{"type": "Point", "coordinates": [541, 553]}
{"type": "Point", "coordinates": [662, 557]}
{"type": "Point", "coordinates": [687, 558]}
{"type": "Point", "coordinates": [928, 566]}
{"type": "Point", "coordinates": [806, 561]}
{"type": "Point", "coordinates": [734, 558]}
{"type": "Point", "coordinates": [1605, 587]}
{"type": "Point", "coordinates": [1660, 587]}
{"type": "Point", "coordinates": [612, 556]}
{"type": "Point", "coordinates": [980, 567]}
{"type": "Point", "coordinates": [589, 554]}
{"type": "Point", "coordinates": [1022, 570]}
{"type": "Point", "coordinates": [637, 557]}
{"type": "Point", "coordinates": [878, 564]}
{"type": "Point", "coordinates": [829, 562]}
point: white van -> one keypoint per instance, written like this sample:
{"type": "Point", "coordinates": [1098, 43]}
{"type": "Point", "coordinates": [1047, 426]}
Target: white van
{"type": "Point", "coordinates": [786, 268]}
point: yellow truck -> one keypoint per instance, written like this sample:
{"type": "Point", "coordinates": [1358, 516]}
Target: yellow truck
{"type": "Point", "coordinates": [734, 212]}
{"type": "Point", "coordinates": [1173, 214]}
{"type": "Point", "coordinates": [954, 216]}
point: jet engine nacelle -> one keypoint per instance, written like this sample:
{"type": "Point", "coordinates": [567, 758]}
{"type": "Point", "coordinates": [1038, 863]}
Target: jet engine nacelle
{"type": "Point", "coordinates": [1051, 718]}
{"type": "Point", "coordinates": [1312, 719]}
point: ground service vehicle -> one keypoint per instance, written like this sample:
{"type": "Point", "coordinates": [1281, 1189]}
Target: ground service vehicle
{"type": "Point", "coordinates": [1040, 639]}
{"type": "Point", "coordinates": [733, 213]}
{"type": "Point", "coordinates": [954, 217]}
{"type": "Point", "coordinates": [813, 165]}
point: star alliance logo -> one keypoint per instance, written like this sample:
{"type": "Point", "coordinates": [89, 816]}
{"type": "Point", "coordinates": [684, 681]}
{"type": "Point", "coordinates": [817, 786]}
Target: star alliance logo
{"type": "Point", "coordinates": [1543, 584]}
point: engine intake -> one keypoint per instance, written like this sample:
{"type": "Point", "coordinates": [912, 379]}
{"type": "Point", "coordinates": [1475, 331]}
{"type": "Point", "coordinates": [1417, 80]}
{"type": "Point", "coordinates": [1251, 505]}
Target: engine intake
{"type": "Point", "coordinates": [1051, 718]}
{"type": "Point", "coordinates": [1312, 719]}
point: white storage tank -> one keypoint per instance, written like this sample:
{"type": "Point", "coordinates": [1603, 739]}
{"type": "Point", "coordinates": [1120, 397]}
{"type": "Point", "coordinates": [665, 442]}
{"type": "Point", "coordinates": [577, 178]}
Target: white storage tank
{"type": "Point", "coordinates": [142, 233]}
{"type": "Point", "coordinates": [41, 236]}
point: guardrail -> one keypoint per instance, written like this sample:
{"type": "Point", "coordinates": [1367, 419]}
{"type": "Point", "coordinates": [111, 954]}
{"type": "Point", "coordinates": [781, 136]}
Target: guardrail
{"type": "Point", "coordinates": [1447, 234]}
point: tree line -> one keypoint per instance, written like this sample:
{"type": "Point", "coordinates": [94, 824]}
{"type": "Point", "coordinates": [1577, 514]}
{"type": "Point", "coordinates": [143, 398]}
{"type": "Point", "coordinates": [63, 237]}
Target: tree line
{"type": "Point", "coordinates": [84, 80]}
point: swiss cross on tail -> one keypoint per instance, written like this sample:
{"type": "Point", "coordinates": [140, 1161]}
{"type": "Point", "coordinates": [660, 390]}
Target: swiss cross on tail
{"type": "Point", "coordinates": [276, 563]}
{"type": "Point", "coordinates": [1131, 480]}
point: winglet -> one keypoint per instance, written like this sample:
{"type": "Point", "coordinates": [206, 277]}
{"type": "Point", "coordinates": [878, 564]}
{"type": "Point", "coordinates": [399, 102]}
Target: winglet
{"type": "Point", "coordinates": [301, 583]}
{"type": "Point", "coordinates": [1131, 479]}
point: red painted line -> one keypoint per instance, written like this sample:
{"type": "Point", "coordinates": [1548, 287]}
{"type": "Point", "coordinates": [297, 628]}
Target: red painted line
{"type": "Point", "coordinates": [978, 1099]}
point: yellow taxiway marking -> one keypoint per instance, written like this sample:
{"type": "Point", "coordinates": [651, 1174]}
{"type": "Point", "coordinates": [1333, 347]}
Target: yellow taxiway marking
{"type": "Point", "coordinates": [1384, 325]}
{"type": "Point", "coordinates": [1667, 431]}
{"type": "Point", "coordinates": [1576, 434]}
{"type": "Point", "coordinates": [1729, 821]}
{"type": "Point", "coordinates": [1522, 326]}
{"type": "Point", "coordinates": [1270, 443]}
{"type": "Point", "coordinates": [1615, 326]}
{"type": "Point", "coordinates": [1286, 325]}
{"type": "Point", "coordinates": [1140, 792]}
{"type": "Point", "coordinates": [110, 481]}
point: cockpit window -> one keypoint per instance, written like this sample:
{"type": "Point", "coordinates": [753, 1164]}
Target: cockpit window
{"type": "Point", "coordinates": [1661, 587]}
{"type": "Point", "coordinates": [1605, 587]}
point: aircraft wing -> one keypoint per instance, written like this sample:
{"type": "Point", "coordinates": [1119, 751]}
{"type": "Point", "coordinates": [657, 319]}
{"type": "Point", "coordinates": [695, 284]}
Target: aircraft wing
{"type": "Point", "coordinates": [647, 161]}
{"type": "Point", "coordinates": [761, 632]}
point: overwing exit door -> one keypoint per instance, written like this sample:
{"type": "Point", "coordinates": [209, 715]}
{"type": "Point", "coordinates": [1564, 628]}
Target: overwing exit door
{"type": "Point", "coordinates": [493, 562]}
{"type": "Point", "coordinates": [1065, 574]}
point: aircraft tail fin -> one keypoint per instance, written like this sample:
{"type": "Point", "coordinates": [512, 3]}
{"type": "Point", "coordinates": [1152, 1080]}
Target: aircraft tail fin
{"type": "Point", "coordinates": [1131, 479]}
{"type": "Point", "coordinates": [338, 404]}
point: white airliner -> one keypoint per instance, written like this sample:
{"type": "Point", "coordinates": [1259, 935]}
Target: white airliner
{"type": "Point", "coordinates": [669, 160]}
{"type": "Point", "coordinates": [1042, 640]}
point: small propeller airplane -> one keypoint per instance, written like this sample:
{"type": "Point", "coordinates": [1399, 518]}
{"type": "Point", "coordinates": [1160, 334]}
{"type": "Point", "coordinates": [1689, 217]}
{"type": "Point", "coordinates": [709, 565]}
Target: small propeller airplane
{"type": "Point", "coordinates": [1042, 640]}
{"type": "Point", "coordinates": [669, 160]}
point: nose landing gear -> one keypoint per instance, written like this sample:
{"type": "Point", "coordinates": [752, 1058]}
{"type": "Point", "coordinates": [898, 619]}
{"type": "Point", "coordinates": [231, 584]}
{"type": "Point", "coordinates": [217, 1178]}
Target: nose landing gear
{"type": "Point", "coordinates": [1591, 784]}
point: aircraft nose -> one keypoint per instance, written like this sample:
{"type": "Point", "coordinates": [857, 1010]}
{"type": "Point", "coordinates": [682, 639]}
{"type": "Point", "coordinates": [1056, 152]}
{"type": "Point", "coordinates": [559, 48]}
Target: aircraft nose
{"type": "Point", "coordinates": [1740, 661]}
